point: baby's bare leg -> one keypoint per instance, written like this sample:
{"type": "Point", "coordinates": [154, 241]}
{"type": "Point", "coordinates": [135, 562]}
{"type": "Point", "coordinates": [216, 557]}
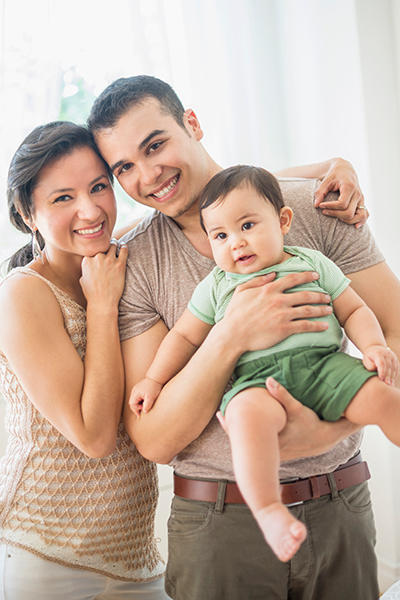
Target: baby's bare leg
{"type": "Point", "coordinates": [254, 419]}
{"type": "Point", "coordinates": [377, 403]}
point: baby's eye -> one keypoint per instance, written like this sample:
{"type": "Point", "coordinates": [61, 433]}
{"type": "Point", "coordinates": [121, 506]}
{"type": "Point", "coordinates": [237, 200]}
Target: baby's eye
{"type": "Point", "coordinates": [220, 236]}
{"type": "Point", "coordinates": [247, 225]}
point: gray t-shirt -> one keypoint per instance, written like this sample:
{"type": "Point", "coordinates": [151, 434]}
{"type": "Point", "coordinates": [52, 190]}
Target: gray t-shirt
{"type": "Point", "coordinates": [162, 272]}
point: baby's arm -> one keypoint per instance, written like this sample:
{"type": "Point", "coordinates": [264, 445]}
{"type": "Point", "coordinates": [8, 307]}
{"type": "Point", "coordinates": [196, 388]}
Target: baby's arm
{"type": "Point", "coordinates": [363, 329]}
{"type": "Point", "coordinates": [174, 353]}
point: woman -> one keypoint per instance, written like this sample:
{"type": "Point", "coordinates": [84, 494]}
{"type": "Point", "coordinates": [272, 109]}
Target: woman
{"type": "Point", "coordinates": [77, 500]}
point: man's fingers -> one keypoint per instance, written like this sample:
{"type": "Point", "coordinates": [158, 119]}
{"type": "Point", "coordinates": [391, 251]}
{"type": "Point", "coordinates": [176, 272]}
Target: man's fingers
{"type": "Point", "coordinates": [257, 281]}
{"type": "Point", "coordinates": [326, 186]}
{"type": "Point", "coordinates": [222, 421]}
{"type": "Point", "coordinates": [282, 395]}
{"type": "Point", "coordinates": [286, 283]}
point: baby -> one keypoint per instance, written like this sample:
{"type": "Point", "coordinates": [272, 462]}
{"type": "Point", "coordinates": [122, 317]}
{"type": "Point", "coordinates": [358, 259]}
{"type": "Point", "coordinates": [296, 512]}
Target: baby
{"type": "Point", "coordinates": [244, 217]}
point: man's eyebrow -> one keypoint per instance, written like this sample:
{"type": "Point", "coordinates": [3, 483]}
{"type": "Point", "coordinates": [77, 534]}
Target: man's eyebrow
{"type": "Point", "coordinates": [116, 165]}
{"type": "Point", "coordinates": [141, 146]}
{"type": "Point", "coordinates": [150, 136]}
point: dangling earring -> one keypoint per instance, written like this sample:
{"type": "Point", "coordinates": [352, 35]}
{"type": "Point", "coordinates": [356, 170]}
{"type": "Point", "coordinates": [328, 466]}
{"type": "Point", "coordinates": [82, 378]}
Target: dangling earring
{"type": "Point", "coordinates": [36, 249]}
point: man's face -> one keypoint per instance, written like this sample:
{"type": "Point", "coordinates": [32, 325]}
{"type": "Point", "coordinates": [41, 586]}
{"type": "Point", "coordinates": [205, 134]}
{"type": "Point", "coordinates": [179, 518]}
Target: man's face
{"type": "Point", "coordinates": [157, 162]}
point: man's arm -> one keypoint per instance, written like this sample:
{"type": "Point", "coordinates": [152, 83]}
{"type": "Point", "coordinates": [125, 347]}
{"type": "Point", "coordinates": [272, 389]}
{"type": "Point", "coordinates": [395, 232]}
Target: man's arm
{"type": "Point", "coordinates": [336, 174]}
{"type": "Point", "coordinates": [380, 289]}
{"type": "Point", "coordinates": [188, 402]}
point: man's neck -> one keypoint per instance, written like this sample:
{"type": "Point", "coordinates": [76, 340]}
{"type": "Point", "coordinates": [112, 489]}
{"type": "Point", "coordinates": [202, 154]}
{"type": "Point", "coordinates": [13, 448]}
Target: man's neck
{"type": "Point", "coordinates": [191, 229]}
{"type": "Point", "coordinates": [189, 222]}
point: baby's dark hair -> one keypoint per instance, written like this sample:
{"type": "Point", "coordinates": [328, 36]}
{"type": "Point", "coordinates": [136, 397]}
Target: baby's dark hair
{"type": "Point", "coordinates": [225, 181]}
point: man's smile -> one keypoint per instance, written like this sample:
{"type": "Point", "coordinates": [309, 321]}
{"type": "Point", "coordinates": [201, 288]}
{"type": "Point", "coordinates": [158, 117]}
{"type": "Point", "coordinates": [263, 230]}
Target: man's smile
{"type": "Point", "coordinates": [164, 193]}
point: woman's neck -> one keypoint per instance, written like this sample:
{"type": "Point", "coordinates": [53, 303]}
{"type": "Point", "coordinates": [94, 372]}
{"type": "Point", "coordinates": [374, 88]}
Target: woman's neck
{"type": "Point", "coordinates": [64, 272]}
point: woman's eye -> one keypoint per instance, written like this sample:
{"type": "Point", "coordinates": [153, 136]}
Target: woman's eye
{"type": "Point", "coordinates": [62, 199]}
{"type": "Point", "coordinates": [247, 226]}
{"type": "Point", "coordinates": [98, 187]}
{"type": "Point", "coordinates": [220, 236]}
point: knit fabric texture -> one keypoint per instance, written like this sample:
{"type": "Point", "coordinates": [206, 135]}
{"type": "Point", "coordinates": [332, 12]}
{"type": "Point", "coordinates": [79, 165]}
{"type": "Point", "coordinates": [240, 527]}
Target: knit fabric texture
{"type": "Point", "coordinates": [56, 502]}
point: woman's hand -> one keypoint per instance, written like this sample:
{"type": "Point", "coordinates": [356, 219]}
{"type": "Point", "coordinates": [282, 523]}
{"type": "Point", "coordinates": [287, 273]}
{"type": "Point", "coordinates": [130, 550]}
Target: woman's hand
{"type": "Point", "coordinates": [103, 276]}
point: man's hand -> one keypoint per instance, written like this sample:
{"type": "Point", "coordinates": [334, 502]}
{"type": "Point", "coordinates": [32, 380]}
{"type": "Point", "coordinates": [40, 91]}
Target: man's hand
{"type": "Point", "coordinates": [305, 434]}
{"type": "Point", "coordinates": [349, 207]}
{"type": "Point", "coordinates": [261, 314]}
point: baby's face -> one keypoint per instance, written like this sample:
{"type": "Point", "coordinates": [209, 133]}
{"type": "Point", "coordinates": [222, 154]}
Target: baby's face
{"type": "Point", "coordinates": [246, 232]}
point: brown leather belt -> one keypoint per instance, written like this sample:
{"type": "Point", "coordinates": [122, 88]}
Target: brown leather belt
{"type": "Point", "coordinates": [355, 471]}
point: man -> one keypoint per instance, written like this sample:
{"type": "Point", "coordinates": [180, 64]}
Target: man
{"type": "Point", "coordinates": [215, 548]}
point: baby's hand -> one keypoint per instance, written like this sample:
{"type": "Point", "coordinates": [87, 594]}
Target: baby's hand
{"type": "Point", "coordinates": [143, 395]}
{"type": "Point", "coordinates": [383, 360]}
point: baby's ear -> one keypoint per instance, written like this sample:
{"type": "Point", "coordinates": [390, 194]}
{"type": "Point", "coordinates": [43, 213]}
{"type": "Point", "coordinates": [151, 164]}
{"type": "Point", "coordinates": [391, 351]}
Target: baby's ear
{"type": "Point", "coordinates": [285, 217]}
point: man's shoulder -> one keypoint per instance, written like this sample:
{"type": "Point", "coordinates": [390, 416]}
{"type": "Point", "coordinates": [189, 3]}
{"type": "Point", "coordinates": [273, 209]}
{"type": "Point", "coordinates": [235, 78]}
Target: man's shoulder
{"type": "Point", "coordinates": [297, 189]}
{"type": "Point", "coordinates": [151, 225]}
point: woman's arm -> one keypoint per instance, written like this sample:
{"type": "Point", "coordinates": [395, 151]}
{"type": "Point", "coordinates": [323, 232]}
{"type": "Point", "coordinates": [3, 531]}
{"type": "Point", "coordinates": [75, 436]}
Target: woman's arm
{"type": "Point", "coordinates": [336, 174]}
{"type": "Point", "coordinates": [83, 400]}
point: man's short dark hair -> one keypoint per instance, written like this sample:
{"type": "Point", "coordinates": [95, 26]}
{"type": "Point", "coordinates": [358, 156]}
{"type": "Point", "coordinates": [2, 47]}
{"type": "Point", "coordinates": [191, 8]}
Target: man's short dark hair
{"type": "Point", "coordinates": [225, 181]}
{"type": "Point", "coordinates": [122, 94]}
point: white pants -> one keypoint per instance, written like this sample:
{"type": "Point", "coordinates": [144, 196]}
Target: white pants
{"type": "Point", "coordinates": [24, 576]}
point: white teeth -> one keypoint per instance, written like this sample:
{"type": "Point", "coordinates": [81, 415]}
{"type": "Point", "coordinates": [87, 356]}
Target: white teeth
{"type": "Point", "coordinates": [167, 189]}
{"type": "Point", "coordinates": [89, 231]}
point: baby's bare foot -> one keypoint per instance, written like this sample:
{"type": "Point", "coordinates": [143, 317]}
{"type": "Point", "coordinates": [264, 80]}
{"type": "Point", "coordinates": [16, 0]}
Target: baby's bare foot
{"type": "Point", "coordinates": [283, 532]}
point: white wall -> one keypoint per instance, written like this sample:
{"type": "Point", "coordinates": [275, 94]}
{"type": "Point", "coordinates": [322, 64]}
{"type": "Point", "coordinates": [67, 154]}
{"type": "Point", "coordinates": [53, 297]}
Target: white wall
{"type": "Point", "coordinates": [379, 30]}
{"type": "Point", "coordinates": [280, 82]}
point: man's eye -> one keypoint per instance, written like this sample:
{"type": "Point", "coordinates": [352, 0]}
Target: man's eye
{"type": "Point", "coordinates": [220, 236]}
{"type": "Point", "coordinates": [125, 168]}
{"type": "Point", "coordinates": [154, 147]}
{"type": "Point", "coordinates": [247, 226]}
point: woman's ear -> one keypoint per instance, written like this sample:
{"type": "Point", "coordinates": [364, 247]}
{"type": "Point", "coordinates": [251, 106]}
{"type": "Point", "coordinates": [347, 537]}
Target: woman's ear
{"type": "Point", "coordinates": [285, 217]}
{"type": "Point", "coordinates": [27, 220]}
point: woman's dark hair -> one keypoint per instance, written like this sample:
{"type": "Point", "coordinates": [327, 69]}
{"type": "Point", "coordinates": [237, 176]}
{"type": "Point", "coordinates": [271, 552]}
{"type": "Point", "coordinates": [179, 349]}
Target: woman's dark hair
{"type": "Point", "coordinates": [45, 144]}
{"type": "Point", "coordinates": [225, 181]}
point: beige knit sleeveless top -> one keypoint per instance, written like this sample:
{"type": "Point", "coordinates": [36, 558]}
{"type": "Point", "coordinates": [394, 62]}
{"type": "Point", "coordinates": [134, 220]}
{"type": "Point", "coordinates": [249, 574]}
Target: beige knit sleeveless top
{"type": "Point", "coordinates": [93, 514]}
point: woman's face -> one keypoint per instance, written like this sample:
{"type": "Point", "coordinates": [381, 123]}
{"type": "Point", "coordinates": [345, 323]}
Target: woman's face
{"type": "Point", "coordinates": [74, 205]}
